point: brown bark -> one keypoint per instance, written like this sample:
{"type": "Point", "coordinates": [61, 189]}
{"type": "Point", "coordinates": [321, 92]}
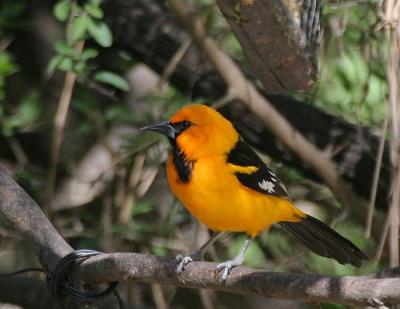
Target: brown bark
{"type": "Point", "coordinates": [26, 217]}
{"type": "Point", "coordinates": [274, 42]}
{"type": "Point", "coordinates": [21, 212]}
{"type": "Point", "coordinates": [372, 290]}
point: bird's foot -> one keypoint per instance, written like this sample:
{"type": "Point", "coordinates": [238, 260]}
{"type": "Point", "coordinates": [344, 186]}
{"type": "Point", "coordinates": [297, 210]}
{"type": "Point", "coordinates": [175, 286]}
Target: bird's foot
{"type": "Point", "coordinates": [181, 262]}
{"type": "Point", "coordinates": [226, 268]}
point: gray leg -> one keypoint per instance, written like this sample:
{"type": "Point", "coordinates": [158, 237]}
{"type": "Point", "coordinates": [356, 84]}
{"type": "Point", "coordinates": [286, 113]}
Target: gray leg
{"type": "Point", "coordinates": [198, 255]}
{"type": "Point", "coordinates": [227, 266]}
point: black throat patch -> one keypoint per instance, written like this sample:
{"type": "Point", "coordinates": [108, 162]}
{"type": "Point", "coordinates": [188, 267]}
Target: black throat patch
{"type": "Point", "coordinates": [183, 166]}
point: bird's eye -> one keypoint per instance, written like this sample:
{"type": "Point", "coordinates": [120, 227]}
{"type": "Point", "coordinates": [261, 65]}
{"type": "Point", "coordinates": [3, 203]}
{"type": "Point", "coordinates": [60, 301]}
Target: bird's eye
{"type": "Point", "coordinates": [186, 124]}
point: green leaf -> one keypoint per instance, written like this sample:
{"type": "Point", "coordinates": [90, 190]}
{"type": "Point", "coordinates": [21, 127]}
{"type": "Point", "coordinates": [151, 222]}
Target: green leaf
{"type": "Point", "coordinates": [64, 49]}
{"type": "Point", "coordinates": [89, 54]}
{"type": "Point", "coordinates": [79, 67]}
{"type": "Point", "coordinates": [112, 79]}
{"type": "Point", "coordinates": [78, 27]}
{"type": "Point", "coordinates": [7, 65]}
{"type": "Point", "coordinates": [94, 10]}
{"type": "Point", "coordinates": [66, 64]}
{"type": "Point", "coordinates": [95, 2]}
{"type": "Point", "coordinates": [159, 250]}
{"type": "Point", "coordinates": [27, 113]}
{"type": "Point", "coordinates": [54, 63]}
{"type": "Point", "coordinates": [141, 208]}
{"type": "Point", "coordinates": [85, 104]}
{"type": "Point", "coordinates": [61, 10]}
{"type": "Point", "coordinates": [100, 33]}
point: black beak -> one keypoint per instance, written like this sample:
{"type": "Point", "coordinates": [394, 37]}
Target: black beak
{"type": "Point", "coordinates": [164, 127]}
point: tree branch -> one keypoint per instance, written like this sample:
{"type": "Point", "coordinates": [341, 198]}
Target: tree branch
{"type": "Point", "coordinates": [27, 218]}
{"type": "Point", "coordinates": [23, 214]}
{"type": "Point", "coordinates": [294, 66]}
{"type": "Point", "coordinates": [372, 290]}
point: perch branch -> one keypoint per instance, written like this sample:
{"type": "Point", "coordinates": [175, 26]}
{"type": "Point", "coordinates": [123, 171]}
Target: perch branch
{"type": "Point", "coordinates": [21, 212]}
{"type": "Point", "coordinates": [371, 290]}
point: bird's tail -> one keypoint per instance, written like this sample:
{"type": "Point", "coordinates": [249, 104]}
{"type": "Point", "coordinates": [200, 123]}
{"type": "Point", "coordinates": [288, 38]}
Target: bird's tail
{"type": "Point", "coordinates": [324, 241]}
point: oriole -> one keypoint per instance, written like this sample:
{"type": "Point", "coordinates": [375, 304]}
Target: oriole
{"type": "Point", "coordinates": [227, 187]}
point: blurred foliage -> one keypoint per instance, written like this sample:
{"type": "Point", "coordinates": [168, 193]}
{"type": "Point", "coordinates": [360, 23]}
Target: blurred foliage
{"type": "Point", "coordinates": [7, 67]}
{"type": "Point", "coordinates": [25, 115]}
{"type": "Point", "coordinates": [352, 86]}
{"type": "Point", "coordinates": [10, 13]}
{"type": "Point", "coordinates": [83, 22]}
{"type": "Point", "coordinates": [352, 71]}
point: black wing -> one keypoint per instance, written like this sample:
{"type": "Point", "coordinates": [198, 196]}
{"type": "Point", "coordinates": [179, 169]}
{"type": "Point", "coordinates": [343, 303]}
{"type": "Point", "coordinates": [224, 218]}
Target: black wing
{"type": "Point", "coordinates": [263, 179]}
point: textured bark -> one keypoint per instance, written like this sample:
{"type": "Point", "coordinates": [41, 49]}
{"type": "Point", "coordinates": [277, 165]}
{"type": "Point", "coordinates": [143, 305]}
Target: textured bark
{"type": "Point", "coordinates": [21, 212]}
{"type": "Point", "coordinates": [371, 290]}
{"type": "Point", "coordinates": [274, 42]}
{"type": "Point", "coordinates": [147, 31]}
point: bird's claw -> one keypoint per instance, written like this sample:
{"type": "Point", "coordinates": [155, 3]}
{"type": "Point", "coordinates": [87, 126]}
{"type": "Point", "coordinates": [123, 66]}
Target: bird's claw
{"type": "Point", "coordinates": [181, 262]}
{"type": "Point", "coordinates": [226, 268]}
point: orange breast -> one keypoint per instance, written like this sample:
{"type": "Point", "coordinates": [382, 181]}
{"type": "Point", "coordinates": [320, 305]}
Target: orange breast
{"type": "Point", "coordinates": [217, 199]}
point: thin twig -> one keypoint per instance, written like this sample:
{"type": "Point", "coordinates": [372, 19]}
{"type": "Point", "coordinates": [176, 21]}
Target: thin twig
{"type": "Point", "coordinates": [18, 151]}
{"type": "Point", "coordinates": [59, 125]}
{"type": "Point", "coordinates": [392, 33]}
{"type": "Point", "coordinates": [375, 181]}
{"type": "Point", "coordinates": [4, 43]}
{"type": "Point", "coordinates": [158, 296]}
{"type": "Point", "coordinates": [119, 160]}
{"type": "Point", "coordinates": [382, 240]}
{"type": "Point", "coordinates": [207, 299]}
{"type": "Point", "coordinates": [173, 63]}
{"type": "Point", "coordinates": [124, 215]}
{"type": "Point", "coordinates": [107, 242]}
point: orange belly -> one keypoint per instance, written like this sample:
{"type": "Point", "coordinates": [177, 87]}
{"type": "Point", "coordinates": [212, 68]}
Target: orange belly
{"type": "Point", "coordinates": [217, 199]}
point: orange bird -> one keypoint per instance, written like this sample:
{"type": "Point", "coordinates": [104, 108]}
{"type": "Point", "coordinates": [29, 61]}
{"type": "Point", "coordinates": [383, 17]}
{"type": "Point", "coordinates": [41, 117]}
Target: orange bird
{"type": "Point", "coordinates": [227, 187]}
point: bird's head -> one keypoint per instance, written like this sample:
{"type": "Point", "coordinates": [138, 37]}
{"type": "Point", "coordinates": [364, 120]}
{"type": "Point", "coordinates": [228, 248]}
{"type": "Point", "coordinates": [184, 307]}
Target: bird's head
{"type": "Point", "coordinates": [198, 131]}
